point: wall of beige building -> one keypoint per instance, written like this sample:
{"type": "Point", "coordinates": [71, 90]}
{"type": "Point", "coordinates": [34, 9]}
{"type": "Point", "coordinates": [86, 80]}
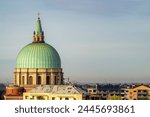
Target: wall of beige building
{"type": "Point", "coordinates": [50, 96]}
{"type": "Point", "coordinates": [30, 76]}
{"type": "Point", "coordinates": [133, 93]}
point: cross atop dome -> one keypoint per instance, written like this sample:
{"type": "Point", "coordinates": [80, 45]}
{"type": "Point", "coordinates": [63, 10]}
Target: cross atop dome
{"type": "Point", "coordinates": [38, 15]}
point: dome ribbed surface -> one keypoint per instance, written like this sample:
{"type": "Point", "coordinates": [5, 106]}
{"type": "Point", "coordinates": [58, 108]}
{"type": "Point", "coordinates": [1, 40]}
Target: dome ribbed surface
{"type": "Point", "coordinates": [38, 55]}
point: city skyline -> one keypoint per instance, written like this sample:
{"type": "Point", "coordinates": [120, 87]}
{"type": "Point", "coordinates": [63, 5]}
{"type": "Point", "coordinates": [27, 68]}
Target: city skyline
{"type": "Point", "coordinates": [98, 41]}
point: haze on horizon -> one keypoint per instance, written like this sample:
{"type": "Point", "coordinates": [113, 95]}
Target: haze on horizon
{"type": "Point", "coordinates": [97, 40]}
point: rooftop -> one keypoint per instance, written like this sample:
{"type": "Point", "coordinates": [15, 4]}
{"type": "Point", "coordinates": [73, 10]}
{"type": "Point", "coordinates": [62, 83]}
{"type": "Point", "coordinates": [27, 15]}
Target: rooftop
{"type": "Point", "coordinates": [57, 89]}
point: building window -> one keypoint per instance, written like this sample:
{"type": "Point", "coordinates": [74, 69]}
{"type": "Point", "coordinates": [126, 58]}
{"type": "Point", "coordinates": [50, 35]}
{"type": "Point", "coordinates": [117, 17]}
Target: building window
{"type": "Point", "coordinates": [66, 98]}
{"type": "Point", "coordinates": [22, 80]}
{"type": "Point", "coordinates": [19, 80]}
{"type": "Point", "coordinates": [53, 98]}
{"type": "Point", "coordinates": [40, 98]}
{"type": "Point", "coordinates": [39, 80]}
{"type": "Point", "coordinates": [30, 80]}
{"type": "Point", "coordinates": [94, 91]}
{"type": "Point", "coordinates": [55, 80]}
{"type": "Point", "coordinates": [69, 88]}
{"type": "Point", "coordinates": [48, 81]}
{"type": "Point", "coordinates": [90, 91]}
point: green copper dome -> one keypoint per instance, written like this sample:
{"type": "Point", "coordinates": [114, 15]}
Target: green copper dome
{"type": "Point", "coordinates": [38, 55]}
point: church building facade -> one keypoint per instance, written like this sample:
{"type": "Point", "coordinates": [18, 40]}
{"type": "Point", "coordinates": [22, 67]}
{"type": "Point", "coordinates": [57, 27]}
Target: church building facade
{"type": "Point", "coordinates": [38, 63]}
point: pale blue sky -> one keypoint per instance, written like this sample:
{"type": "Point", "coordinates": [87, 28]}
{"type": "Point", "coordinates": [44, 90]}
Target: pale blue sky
{"type": "Point", "coordinates": [98, 40]}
